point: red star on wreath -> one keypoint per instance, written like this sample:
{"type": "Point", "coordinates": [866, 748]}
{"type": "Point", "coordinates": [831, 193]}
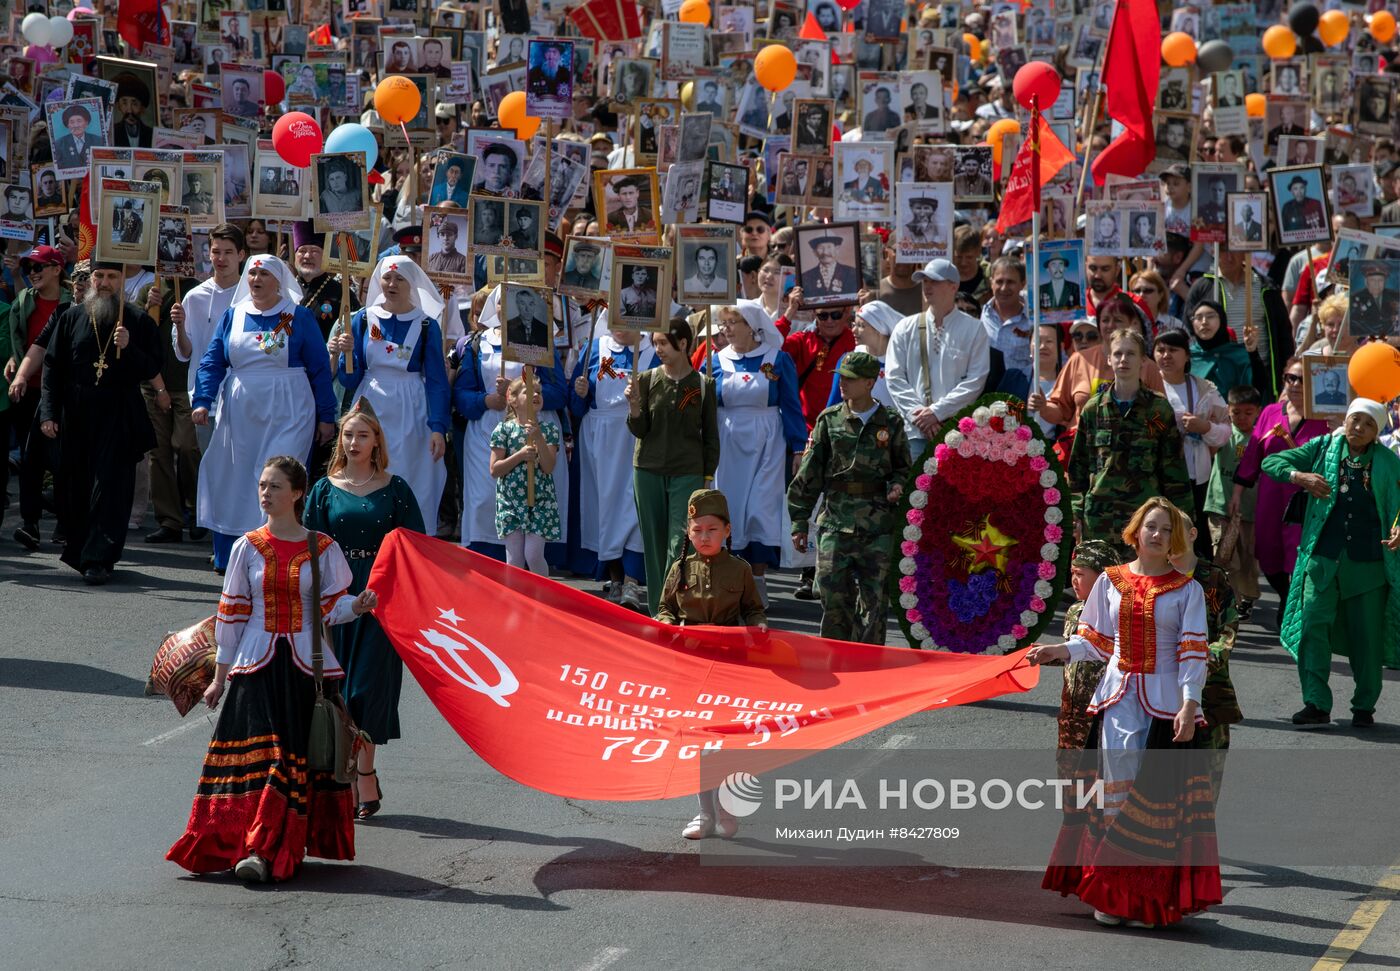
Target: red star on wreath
{"type": "Point", "coordinates": [987, 548]}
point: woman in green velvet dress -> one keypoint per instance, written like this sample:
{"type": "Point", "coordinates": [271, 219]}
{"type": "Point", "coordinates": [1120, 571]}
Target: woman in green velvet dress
{"type": "Point", "coordinates": [357, 504]}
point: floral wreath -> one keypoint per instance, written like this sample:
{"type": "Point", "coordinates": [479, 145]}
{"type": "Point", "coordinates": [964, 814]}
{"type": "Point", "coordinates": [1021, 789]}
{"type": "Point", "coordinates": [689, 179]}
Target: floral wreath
{"type": "Point", "coordinates": [987, 568]}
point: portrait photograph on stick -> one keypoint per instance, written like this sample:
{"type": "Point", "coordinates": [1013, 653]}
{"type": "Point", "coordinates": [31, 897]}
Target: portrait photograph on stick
{"type": "Point", "coordinates": [585, 270]}
{"type": "Point", "coordinates": [340, 192]}
{"type": "Point", "coordinates": [529, 327]}
{"type": "Point", "coordinates": [705, 265]}
{"type": "Point", "coordinates": [828, 264]}
{"type": "Point", "coordinates": [127, 221]}
{"type": "Point", "coordinates": [640, 288]}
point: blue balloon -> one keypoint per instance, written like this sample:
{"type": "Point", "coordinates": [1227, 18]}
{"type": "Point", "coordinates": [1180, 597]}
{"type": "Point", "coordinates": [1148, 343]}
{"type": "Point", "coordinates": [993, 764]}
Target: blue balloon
{"type": "Point", "coordinates": [351, 137]}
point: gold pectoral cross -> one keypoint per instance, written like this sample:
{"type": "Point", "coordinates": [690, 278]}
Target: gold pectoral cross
{"type": "Point", "coordinates": [100, 365]}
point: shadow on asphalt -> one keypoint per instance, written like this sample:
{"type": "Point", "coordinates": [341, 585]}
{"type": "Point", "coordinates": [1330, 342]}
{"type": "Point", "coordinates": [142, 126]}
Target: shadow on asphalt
{"type": "Point", "coordinates": [23, 672]}
{"type": "Point", "coordinates": [1011, 896]}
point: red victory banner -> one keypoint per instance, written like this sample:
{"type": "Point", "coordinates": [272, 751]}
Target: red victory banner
{"type": "Point", "coordinates": [567, 693]}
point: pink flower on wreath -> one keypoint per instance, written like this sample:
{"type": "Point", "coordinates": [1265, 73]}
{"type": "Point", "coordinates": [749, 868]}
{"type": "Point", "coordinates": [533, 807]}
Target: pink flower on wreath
{"type": "Point", "coordinates": [1046, 570]}
{"type": "Point", "coordinates": [1038, 605]}
{"type": "Point", "coordinates": [924, 483]}
{"type": "Point", "coordinates": [1054, 534]}
{"type": "Point", "coordinates": [913, 615]}
{"type": "Point", "coordinates": [1039, 463]}
{"type": "Point", "coordinates": [1019, 631]}
{"type": "Point", "coordinates": [907, 584]}
{"type": "Point", "coordinates": [942, 453]}
{"type": "Point", "coordinates": [915, 517]}
{"type": "Point", "coordinates": [909, 548]}
{"type": "Point", "coordinates": [967, 425]}
{"type": "Point", "coordinates": [1023, 433]}
{"type": "Point", "coordinates": [1052, 497]}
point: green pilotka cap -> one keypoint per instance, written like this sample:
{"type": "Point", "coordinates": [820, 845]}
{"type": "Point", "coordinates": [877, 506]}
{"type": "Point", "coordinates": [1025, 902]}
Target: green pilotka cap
{"type": "Point", "coordinates": [708, 502]}
{"type": "Point", "coordinates": [859, 364]}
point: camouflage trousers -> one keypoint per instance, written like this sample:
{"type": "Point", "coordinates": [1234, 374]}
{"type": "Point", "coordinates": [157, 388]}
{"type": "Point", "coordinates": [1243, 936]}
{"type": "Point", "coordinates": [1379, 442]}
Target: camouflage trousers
{"type": "Point", "coordinates": [852, 571]}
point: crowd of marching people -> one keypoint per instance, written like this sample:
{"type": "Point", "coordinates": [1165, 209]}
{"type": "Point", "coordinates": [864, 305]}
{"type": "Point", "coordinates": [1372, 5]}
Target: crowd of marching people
{"type": "Point", "coordinates": [266, 402]}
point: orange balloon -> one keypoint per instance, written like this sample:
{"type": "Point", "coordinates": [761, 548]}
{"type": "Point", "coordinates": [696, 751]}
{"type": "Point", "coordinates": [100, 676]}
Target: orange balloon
{"type": "Point", "coordinates": [998, 131]}
{"type": "Point", "coordinates": [1374, 371]}
{"type": "Point", "coordinates": [695, 12]}
{"type": "Point", "coordinates": [974, 46]}
{"type": "Point", "coordinates": [775, 67]}
{"type": "Point", "coordinates": [1333, 27]}
{"type": "Point", "coordinates": [1178, 49]}
{"type": "Point", "coordinates": [1254, 105]}
{"type": "Point", "coordinates": [1382, 26]}
{"type": "Point", "coordinates": [511, 114]}
{"type": "Point", "coordinates": [1279, 42]}
{"type": "Point", "coordinates": [397, 99]}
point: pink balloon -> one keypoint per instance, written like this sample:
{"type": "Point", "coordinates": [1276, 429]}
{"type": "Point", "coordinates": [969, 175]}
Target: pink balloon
{"type": "Point", "coordinates": [77, 12]}
{"type": "Point", "coordinates": [41, 55]}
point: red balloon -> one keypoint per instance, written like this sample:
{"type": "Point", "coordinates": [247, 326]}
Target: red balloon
{"type": "Point", "coordinates": [1036, 81]}
{"type": "Point", "coordinates": [848, 4]}
{"type": "Point", "coordinates": [297, 137]}
{"type": "Point", "coordinates": [274, 88]}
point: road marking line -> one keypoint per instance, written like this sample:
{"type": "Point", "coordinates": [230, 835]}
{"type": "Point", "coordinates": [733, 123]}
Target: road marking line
{"type": "Point", "coordinates": [897, 741]}
{"type": "Point", "coordinates": [166, 736]}
{"type": "Point", "coordinates": [1363, 921]}
{"type": "Point", "coordinates": [605, 958]}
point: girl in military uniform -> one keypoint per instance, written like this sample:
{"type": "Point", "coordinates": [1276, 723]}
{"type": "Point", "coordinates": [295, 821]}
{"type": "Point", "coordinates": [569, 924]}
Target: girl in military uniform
{"type": "Point", "coordinates": [710, 587]}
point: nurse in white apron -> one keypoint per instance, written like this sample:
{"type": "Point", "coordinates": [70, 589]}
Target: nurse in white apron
{"type": "Point", "coordinates": [399, 367]}
{"type": "Point", "coordinates": [479, 396]}
{"type": "Point", "coordinates": [269, 359]}
{"type": "Point", "coordinates": [607, 513]}
{"type": "Point", "coordinates": [760, 422]}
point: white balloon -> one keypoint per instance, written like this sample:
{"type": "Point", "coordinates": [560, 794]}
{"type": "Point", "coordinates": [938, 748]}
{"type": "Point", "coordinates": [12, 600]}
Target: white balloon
{"type": "Point", "coordinates": [60, 31]}
{"type": "Point", "coordinates": [35, 28]}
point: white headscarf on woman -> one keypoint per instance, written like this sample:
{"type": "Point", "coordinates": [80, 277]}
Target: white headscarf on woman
{"type": "Point", "coordinates": [423, 295]}
{"type": "Point", "coordinates": [765, 332]}
{"type": "Point", "coordinates": [490, 318]}
{"type": "Point", "coordinates": [291, 290]}
{"type": "Point", "coordinates": [1371, 409]}
{"type": "Point", "coordinates": [880, 315]}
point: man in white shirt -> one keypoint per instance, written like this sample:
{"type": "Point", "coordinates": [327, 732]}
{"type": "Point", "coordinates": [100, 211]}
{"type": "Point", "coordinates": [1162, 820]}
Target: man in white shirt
{"type": "Point", "coordinates": [197, 316]}
{"type": "Point", "coordinates": [954, 346]}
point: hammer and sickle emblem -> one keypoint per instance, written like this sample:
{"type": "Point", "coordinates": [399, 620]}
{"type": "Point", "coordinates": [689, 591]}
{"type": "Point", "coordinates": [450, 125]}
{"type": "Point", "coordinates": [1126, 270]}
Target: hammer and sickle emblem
{"type": "Point", "coordinates": [450, 653]}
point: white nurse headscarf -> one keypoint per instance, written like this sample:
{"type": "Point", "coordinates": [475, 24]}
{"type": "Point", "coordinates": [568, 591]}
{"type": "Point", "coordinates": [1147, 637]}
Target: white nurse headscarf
{"type": "Point", "coordinates": [291, 289]}
{"type": "Point", "coordinates": [423, 294]}
{"type": "Point", "coordinates": [765, 332]}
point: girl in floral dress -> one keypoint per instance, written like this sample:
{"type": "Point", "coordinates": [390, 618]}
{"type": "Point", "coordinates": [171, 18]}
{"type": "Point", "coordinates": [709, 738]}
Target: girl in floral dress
{"type": "Point", "coordinates": [516, 442]}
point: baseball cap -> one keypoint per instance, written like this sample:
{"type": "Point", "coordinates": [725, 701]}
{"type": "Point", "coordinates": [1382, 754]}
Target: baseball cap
{"type": "Point", "coordinates": [42, 256]}
{"type": "Point", "coordinates": [859, 364]}
{"type": "Point", "coordinates": [940, 270]}
{"type": "Point", "coordinates": [1179, 169]}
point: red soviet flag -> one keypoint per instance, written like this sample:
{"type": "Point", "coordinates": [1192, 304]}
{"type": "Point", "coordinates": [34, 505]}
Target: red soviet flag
{"type": "Point", "coordinates": [567, 693]}
{"type": "Point", "coordinates": [1132, 70]}
{"type": "Point", "coordinates": [142, 22]}
{"type": "Point", "coordinates": [1040, 159]}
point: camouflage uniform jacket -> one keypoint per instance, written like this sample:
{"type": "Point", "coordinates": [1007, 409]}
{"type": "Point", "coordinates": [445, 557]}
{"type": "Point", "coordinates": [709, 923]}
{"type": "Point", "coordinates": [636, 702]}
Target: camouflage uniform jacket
{"type": "Point", "coordinates": [719, 591]}
{"type": "Point", "coordinates": [1219, 705]}
{"type": "Point", "coordinates": [854, 464]}
{"type": "Point", "coordinates": [1120, 461]}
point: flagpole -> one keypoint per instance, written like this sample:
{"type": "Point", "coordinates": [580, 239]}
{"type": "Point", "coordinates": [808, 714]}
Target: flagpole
{"type": "Point", "coordinates": [1034, 134]}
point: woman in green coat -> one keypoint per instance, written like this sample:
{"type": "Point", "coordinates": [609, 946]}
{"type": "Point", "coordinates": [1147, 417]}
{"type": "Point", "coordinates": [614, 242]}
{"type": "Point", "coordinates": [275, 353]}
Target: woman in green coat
{"type": "Point", "coordinates": [1343, 597]}
{"type": "Point", "coordinates": [1215, 356]}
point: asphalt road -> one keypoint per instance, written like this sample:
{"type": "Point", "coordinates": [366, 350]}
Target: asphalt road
{"type": "Point", "coordinates": [464, 868]}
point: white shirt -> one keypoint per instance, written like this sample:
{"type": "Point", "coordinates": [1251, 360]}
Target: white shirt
{"type": "Point", "coordinates": [134, 284]}
{"type": "Point", "coordinates": [1200, 398]}
{"type": "Point", "coordinates": [204, 308]}
{"type": "Point", "coordinates": [957, 355]}
{"type": "Point", "coordinates": [1176, 668]}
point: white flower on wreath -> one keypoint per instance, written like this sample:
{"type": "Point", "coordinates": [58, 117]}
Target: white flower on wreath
{"type": "Point", "coordinates": [1035, 448]}
{"type": "Point", "coordinates": [999, 408]}
{"type": "Point", "coordinates": [1053, 515]}
{"type": "Point", "coordinates": [918, 499]}
{"type": "Point", "coordinates": [1006, 642]}
{"type": "Point", "coordinates": [1050, 552]}
{"type": "Point", "coordinates": [953, 439]}
{"type": "Point", "coordinates": [928, 645]}
{"type": "Point", "coordinates": [1043, 589]}
{"type": "Point", "coordinates": [907, 567]}
{"type": "Point", "coordinates": [1028, 618]}
{"type": "Point", "coordinates": [908, 601]}
{"type": "Point", "coordinates": [1048, 479]}
{"type": "Point", "coordinates": [913, 533]}
{"type": "Point", "coordinates": [982, 415]}
{"type": "Point", "coordinates": [1010, 423]}
{"type": "Point", "coordinates": [931, 467]}
{"type": "Point", "coordinates": [919, 632]}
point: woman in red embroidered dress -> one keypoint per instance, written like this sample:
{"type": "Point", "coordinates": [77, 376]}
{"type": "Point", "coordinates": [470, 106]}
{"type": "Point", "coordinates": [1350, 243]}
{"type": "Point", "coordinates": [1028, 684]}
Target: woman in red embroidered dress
{"type": "Point", "coordinates": [1147, 855]}
{"type": "Point", "coordinates": [258, 809]}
